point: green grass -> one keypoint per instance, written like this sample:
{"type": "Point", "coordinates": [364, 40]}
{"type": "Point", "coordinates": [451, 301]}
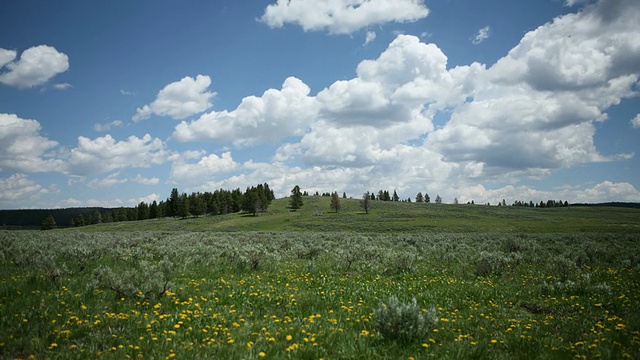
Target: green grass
{"type": "Point", "coordinates": [401, 217]}
{"type": "Point", "coordinates": [506, 283]}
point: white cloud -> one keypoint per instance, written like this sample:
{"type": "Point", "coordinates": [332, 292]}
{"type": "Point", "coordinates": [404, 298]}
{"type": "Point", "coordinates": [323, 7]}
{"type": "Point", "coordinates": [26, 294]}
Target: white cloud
{"type": "Point", "coordinates": [101, 127]}
{"type": "Point", "coordinates": [369, 38]}
{"type": "Point", "coordinates": [578, 51]}
{"type": "Point", "coordinates": [180, 99]}
{"type": "Point", "coordinates": [107, 203]}
{"type": "Point", "coordinates": [36, 66]}
{"type": "Point", "coordinates": [570, 3]}
{"type": "Point", "coordinates": [204, 170]}
{"type": "Point", "coordinates": [146, 181]}
{"type": "Point", "coordinates": [609, 191]}
{"type": "Point", "coordinates": [533, 111]}
{"type": "Point", "coordinates": [62, 86]}
{"type": "Point", "coordinates": [105, 154]}
{"type": "Point", "coordinates": [127, 93]}
{"type": "Point", "coordinates": [342, 16]}
{"type": "Point", "coordinates": [273, 116]}
{"type": "Point", "coordinates": [6, 56]}
{"type": "Point", "coordinates": [635, 122]}
{"type": "Point", "coordinates": [18, 189]}
{"type": "Point", "coordinates": [110, 181]}
{"type": "Point", "coordinates": [481, 35]}
{"type": "Point", "coordinates": [22, 147]}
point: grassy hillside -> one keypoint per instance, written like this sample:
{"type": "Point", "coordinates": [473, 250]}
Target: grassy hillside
{"type": "Point", "coordinates": [316, 215]}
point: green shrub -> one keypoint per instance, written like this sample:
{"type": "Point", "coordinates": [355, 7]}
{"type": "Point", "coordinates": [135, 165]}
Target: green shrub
{"type": "Point", "coordinates": [404, 322]}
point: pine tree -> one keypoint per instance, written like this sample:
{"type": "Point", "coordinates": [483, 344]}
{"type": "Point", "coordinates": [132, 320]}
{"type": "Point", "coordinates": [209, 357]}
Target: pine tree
{"type": "Point", "coordinates": [419, 198]}
{"type": "Point", "coordinates": [438, 199]}
{"type": "Point", "coordinates": [153, 210]}
{"type": "Point", "coordinates": [296, 198]}
{"type": "Point", "coordinates": [395, 196]}
{"type": "Point", "coordinates": [427, 199]}
{"type": "Point", "coordinates": [80, 220]}
{"type": "Point", "coordinates": [183, 206]}
{"type": "Point", "coordinates": [173, 201]}
{"type": "Point", "coordinates": [49, 223]}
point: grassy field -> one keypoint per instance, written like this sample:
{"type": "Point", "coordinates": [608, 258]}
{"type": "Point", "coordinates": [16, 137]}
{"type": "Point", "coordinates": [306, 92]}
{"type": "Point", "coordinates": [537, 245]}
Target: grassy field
{"type": "Point", "coordinates": [503, 283]}
{"type": "Point", "coordinates": [401, 217]}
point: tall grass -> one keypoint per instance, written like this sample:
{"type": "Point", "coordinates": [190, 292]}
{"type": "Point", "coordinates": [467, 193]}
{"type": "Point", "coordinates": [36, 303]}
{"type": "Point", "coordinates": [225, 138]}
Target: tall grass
{"type": "Point", "coordinates": [316, 295]}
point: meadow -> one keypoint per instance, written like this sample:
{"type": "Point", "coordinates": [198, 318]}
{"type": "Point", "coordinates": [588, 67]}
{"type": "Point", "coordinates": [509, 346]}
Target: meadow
{"type": "Point", "coordinates": [501, 283]}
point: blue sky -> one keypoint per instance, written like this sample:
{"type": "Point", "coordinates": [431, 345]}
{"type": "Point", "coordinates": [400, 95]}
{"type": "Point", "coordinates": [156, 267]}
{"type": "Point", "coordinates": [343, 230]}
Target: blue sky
{"type": "Point", "coordinates": [116, 102]}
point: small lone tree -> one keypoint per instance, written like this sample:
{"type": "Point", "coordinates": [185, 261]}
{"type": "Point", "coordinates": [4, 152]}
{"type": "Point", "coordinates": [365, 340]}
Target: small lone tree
{"type": "Point", "coordinates": [438, 199]}
{"type": "Point", "coordinates": [335, 202]}
{"type": "Point", "coordinates": [366, 202]}
{"type": "Point", "coordinates": [296, 198]}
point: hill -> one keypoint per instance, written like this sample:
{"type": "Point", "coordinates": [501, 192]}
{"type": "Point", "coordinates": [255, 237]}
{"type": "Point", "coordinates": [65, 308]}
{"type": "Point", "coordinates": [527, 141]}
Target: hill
{"type": "Point", "coordinates": [386, 217]}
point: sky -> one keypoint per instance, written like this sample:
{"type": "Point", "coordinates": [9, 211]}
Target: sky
{"type": "Point", "coordinates": [110, 103]}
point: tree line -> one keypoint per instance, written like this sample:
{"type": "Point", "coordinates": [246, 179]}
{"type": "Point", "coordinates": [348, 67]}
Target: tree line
{"type": "Point", "coordinates": [255, 200]}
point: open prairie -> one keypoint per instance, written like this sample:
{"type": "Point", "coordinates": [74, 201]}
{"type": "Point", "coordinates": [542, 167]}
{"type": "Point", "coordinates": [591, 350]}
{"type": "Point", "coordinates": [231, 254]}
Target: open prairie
{"type": "Point", "coordinates": [489, 282]}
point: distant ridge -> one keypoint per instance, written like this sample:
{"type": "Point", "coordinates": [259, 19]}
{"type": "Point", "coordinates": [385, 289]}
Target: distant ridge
{"type": "Point", "coordinates": [612, 204]}
{"type": "Point", "coordinates": [32, 218]}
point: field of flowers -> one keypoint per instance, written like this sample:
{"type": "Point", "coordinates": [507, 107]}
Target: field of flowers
{"type": "Point", "coordinates": [250, 295]}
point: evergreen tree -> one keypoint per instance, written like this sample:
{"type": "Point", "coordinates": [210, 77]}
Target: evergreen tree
{"type": "Point", "coordinates": [143, 211]}
{"type": "Point", "coordinates": [419, 198]}
{"type": "Point", "coordinates": [80, 220]}
{"type": "Point", "coordinates": [335, 202]}
{"type": "Point", "coordinates": [438, 199]}
{"type": "Point", "coordinates": [153, 210]}
{"type": "Point", "coordinates": [380, 195]}
{"type": "Point", "coordinates": [455, 201]}
{"type": "Point", "coordinates": [427, 199]}
{"type": "Point", "coordinates": [344, 195]}
{"type": "Point", "coordinates": [395, 196]}
{"type": "Point", "coordinates": [183, 206]}
{"type": "Point", "coordinates": [97, 217]}
{"type": "Point", "coordinates": [251, 201]}
{"type": "Point", "coordinates": [296, 198]}
{"type": "Point", "coordinates": [49, 223]}
{"type": "Point", "coordinates": [173, 201]}
{"type": "Point", "coordinates": [107, 218]}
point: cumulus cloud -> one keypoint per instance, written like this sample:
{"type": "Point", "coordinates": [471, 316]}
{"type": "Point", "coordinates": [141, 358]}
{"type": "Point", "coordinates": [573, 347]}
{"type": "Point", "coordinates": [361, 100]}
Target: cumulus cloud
{"type": "Point", "coordinates": [101, 127]}
{"type": "Point", "coordinates": [146, 181]}
{"type": "Point", "coordinates": [110, 181]}
{"type": "Point", "coordinates": [18, 188]}
{"type": "Point", "coordinates": [481, 35]}
{"type": "Point", "coordinates": [635, 122]}
{"type": "Point", "coordinates": [369, 38]}
{"type": "Point", "coordinates": [22, 148]}
{"type": "Point", "coordinates": [535, 109]}
{"type": "Point", "coordinates": [207, 168]}
{"type": "Point", "coordinates": [107, 203]}
{"type": "Point", "coordinates": [105, 154]}
{"type": "Point", "coordinates": [36, 66]}
{"type": "Point", "coordinates": [180, 99]}
{"type": "Point", "coordinates": [273, 116]}
{"type": "Point", "coordinates": [342, 16]}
